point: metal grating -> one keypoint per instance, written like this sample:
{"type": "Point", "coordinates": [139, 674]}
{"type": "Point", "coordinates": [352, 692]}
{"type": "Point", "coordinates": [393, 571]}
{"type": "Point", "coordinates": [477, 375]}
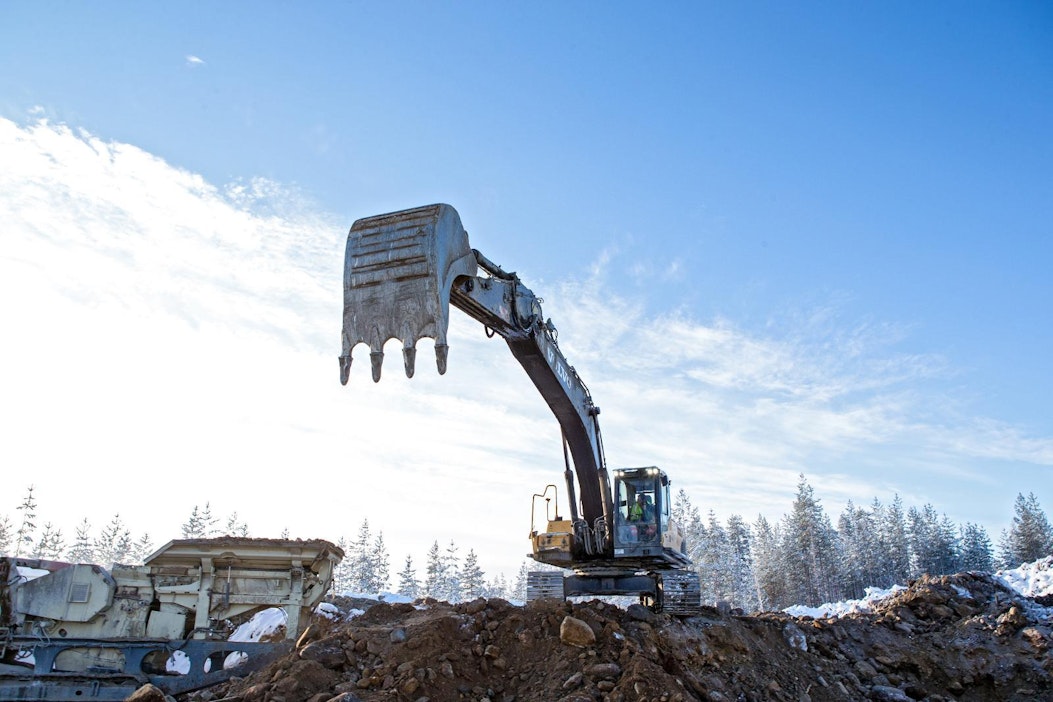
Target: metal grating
{"type": "Point", "coordinates": [79, 592]}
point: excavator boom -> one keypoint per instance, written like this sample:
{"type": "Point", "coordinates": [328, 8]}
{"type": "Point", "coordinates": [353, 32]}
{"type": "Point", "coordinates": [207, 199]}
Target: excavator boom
{"type": "Point", "coordinates": [401, 273]}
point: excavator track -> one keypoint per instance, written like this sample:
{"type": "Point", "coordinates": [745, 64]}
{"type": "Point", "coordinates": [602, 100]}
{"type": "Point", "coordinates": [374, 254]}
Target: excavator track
{"type": "Point", "coordinates": [544, 583]}
{"type": "Point", "coordinates": [681, 592]}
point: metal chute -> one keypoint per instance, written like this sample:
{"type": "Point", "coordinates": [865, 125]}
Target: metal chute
{"type": "Point", "coordinates": [398, 271]}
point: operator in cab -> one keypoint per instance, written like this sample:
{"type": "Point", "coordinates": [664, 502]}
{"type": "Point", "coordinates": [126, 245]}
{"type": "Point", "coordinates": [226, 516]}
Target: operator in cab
{"type": "Point", "coordinates": [637, 509]}
{"type": "Point", "coordinates": [642, 510]}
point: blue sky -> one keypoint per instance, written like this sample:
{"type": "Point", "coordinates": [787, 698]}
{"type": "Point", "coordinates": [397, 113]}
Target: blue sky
{"type": "Point", "coordinates": [794, 238]}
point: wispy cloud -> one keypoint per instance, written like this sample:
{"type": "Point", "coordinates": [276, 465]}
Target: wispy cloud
{"type": "Point", "coordinates": [177, 342]}
{"type": "Point", "coordinates": [194, 61]}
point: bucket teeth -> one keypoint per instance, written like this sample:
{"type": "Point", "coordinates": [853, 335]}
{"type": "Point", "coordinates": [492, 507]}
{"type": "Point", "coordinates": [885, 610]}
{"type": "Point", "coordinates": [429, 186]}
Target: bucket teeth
{"type": "Point", "coordinates": [376, 359]}
{"type": "Point", "coordinates": [345, 369]}
{"type": "Point", "coordinates": [409, 358]}
{"type": "Point", "coordinates": [441, 352]}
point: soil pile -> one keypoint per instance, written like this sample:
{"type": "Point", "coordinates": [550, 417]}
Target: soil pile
{"type": "Point", "coordinates": [961, 637]}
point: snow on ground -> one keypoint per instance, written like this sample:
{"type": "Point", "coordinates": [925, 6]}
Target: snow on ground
{"type": "Point", "coordinates": [264, 622]}
{"type": "Point", "coordinates": [840, 609]}
{"type": "Point", "coordinates": [389, 597]}
{"type": "Point", "coordinates": [1031, 579]}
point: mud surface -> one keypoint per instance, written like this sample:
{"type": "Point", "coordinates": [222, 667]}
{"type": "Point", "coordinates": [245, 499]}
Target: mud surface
{"type": "Point", "coordinates": [960, 637]}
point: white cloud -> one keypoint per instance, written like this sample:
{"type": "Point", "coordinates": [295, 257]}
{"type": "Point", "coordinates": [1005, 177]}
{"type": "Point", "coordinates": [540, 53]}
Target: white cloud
{"type": "Point", "coordinates": [194, 61]}
{"type": "Point", "coordinates": [169, 343]}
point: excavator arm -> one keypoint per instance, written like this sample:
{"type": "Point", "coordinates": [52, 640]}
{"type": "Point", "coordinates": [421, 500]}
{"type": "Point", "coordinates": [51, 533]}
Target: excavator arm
{"type": "Point", "coordinates": [403, 270]}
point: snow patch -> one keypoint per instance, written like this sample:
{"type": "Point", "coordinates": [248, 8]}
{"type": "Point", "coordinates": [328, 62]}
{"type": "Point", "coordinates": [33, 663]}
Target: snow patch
{"type": "Point", "coordinates": [389, 597]}
{"type": "Point", "coordinates": [265, 622]}
{"type": "Point", "coordinates": [27, 574]}
{"type": "Point", "coordinates": [839, 609]}
{"type": "Point", "coordinates": [1030, 579]}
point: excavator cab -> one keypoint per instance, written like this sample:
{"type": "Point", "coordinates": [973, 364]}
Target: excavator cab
{"type": "Point", "coordinates": [642, 527]}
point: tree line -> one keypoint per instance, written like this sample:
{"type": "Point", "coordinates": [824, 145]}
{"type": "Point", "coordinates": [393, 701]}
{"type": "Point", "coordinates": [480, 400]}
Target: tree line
{"type": "Point", "coordinates": [446, 576]}
{"type": "Point", "coordinates": [802, 558]}
{"type": "Point", "coordinates": [805, 559]}
{"type": "Point", "coordinates": [364, 569]}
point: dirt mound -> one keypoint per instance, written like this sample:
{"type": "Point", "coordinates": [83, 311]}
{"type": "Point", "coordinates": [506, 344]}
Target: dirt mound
{"type": "Point", "coordinates": [960, 637]}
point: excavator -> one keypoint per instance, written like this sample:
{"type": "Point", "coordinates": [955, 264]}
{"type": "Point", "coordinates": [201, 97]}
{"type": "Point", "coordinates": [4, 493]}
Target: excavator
{"type": "Point", "coordinates": [402, 271]}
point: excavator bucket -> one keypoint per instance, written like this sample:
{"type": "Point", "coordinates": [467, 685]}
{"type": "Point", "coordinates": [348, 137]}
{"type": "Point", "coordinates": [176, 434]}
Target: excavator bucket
{"type": "Point", "coordinates": [398, 271]}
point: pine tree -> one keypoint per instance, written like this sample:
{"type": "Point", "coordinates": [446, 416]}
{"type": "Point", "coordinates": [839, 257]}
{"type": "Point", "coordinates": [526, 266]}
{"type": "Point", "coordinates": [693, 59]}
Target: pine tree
{"type": "Point", "coordinates": [124, 548]}
{"type": "Point", "coordinates": [435, 573]}
{"type": "Point", "coordinates": [519, 587]}
{"type": "Point", "coordinates": [810, 550]}
{"type": "Point", "coordinates": [50, 544]}
{"type": "Point", "coordinates": [192, 527]}
{"type": "Point", "coordinates": [379, 568]}
{"type": "Point", "coordinates": [859, 553]}
{"type": "Point", "coordinates": [895, 548]}
{"type": "Point", "coordinates": [744, 594]}
{"type": "Point", "coordinates": [714, 563]}
{"type": "Point", "coordinates": [114, 543]}
{"type": "Point", "coordinates": [5, 534]}
{"type": "Point", "coordinates": [208, 522]}
{"type": "Point", "coordinates": [472, 578]}
{"type": "Point", "coordinates": [142, 548]}
{"type": "Point", "coordinates": [976, 551]}
{"type": "Point", "coordinates": [769, 574]}
{"type": "Point", "coordinates": [1030, 537]}
{"type": "Point", "coordinates": [933, 542]}
{"type": "Point", "coordinates": [363, 575]}
{"type": "Point", "coordinates": [342, 572]}
{"type": "Point", "coordinates": [950, 547]}
{"type": "Point", "coordinates": [409, 586]}
{"type": "Point", "coordinates": [83, 548]}
{"type": "Point", "coordinates": [24, 537]}
{"type": "Point", "coordinates": [498, 587]}
{"type": "Point", "coordinates": [919, 540]}
{"type": "Point", "coordinates": [688, 518]}
{"type": "Point", "coordinates": [235, 527]}
{"type": "Point", "coordinates": [452, 587]}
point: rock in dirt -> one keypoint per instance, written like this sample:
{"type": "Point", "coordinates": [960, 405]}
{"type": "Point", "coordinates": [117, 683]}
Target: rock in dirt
{"type": "Point", "coordinates": [575, 632]}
